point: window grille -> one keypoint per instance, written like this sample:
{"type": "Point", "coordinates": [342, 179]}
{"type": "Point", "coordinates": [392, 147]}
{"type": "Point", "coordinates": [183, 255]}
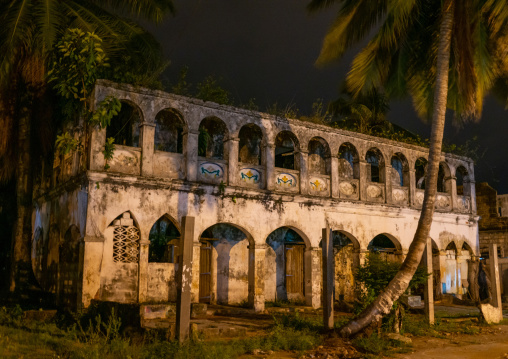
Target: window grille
{"type": "Point", "coordinates": [126, 244]}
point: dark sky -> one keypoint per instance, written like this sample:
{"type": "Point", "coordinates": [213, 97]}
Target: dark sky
{"type": "Point", "coordinates": [265, 49]}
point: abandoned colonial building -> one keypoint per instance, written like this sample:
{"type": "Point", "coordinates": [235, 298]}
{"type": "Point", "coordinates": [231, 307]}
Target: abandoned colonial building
{"type": "Point", "coordinates": [260, 188]}
{"type": "Point", "coordinates": [493, 228]}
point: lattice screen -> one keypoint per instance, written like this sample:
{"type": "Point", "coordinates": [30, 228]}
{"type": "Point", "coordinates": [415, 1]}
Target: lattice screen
{"type": "Point", "coordinates": [125, 244]}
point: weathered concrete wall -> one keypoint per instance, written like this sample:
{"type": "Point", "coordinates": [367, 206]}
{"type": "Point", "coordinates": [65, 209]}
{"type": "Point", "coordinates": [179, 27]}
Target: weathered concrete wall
{"type": "Point", "coordinates": [250, 201]}
{"type": "Point", "coordinates": [344, 273]}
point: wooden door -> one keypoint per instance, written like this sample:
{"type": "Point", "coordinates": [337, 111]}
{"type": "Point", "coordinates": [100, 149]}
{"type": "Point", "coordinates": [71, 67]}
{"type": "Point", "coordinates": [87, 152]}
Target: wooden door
{"type": "Point", "coordinates": [294, 270]}
{"type": "Point", "coordinates": [205, 272]}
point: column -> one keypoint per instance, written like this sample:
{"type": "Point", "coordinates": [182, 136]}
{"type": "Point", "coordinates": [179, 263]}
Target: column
{"type": "Point", "coordinates": [312, 271]}
{"type": "Point", "coordinates": [364, 178]}
{"type": "Point", "coordinates": [451, 187]}
{"type": "Point", "coordinates": [388, 183]}
{"type": "Point", "coordinates": [428, 292]}
{"type": "Point", "coordinates": [412, 186]}
{"type": "Point", "coordinates": [257, 254]}
{"type": "Point", "coordinates": [494, 278]}
{"type": "Point", "coordinates": [232, 157]}
{"type": "Point", "coordinates": [93, 248]}
{"type": "Point", "coordinates": [270, 166]}
{"type": "Point", "coordinates": [334, 176]}
{"type": "Point", "coordinates": [144, 245]}
{"type": "Point", "coordinates": [196, 260]}
{"type": "Point", "coordinates": [442, 270]}
{"type": "Point", "coordinates": [473, 196]}
{"type": "Point", "coordinates": [304, 180]}
{"type": "Point", "coordinates": [147, 140]}
{"type": "Point", "coordinates": [190, 151]}
{"type": "Point", "coordinates": [184, 278]}
{"type": "Point", "coordinates": [328, 268]}
{"type": "Point", "coordinates": [97, 142]}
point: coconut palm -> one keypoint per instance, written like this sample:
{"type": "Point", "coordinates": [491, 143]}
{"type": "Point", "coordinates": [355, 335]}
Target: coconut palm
{"type": "Point", "coordinates": [28, 33]}
{"type": "Point", "coordinates": [445, 54]}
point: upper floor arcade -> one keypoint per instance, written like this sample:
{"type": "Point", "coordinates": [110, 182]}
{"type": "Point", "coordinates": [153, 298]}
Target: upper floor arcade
{"type": "Point", "coordinates": [166, 136]}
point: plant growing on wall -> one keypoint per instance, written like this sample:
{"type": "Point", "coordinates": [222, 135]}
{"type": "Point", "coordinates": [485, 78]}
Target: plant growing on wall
{"type": "Point", "coordinates": [78, 59]}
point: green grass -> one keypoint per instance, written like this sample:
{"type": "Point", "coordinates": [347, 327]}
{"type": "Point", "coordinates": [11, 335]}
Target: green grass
{"type": "Point", "coordinates": [20, 338]}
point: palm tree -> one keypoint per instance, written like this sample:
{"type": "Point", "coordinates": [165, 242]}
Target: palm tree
{"type": "Point", "coordinates": [365, 113]}
{"type": "Point", "coordinates": [445, 54]}
{"type": "Point", "coordinates": [28, 33]}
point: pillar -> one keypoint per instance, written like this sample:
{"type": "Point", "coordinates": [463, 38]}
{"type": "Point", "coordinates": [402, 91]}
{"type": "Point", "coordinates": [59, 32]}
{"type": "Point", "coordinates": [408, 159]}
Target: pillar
{"type": "Point", "coordinates": [97, 142]}
{"type": "Point", "coordinates": [442, 270]}
{"type": "Point", "coordinates": [364, 179]}
{"type": "Point", "coordinates": [334, 176]}
{"type": "Point", "coordinates": [312, 271]}
{"type": "Point", "coordinates": [196, 260]}
{"type": "Point", "coordinates": [93, 248]}
{"type": "Point", "coordinates": [184, 278]}
{"type": "Point", "coordinates": [144, 245]}
{"type": "Point", "coordinates": [452, 188]}
{"type": "Point", "coordinates": [232, 157]}
{"type": "Point", "coordinates": [328, 268]}
{"type": "Point", "coordinates": [270, 166]}
{"type": "Point", "coordinates": [147, 143]}
{"type": "Point", "coordinates": [494, 278]}
{"type": "Point", "coordinates": [257, 254]}
{"type": "Point", "coordinates": [412, 186]}
{"type": "Point", "coordinates": [472, 189]}
{"type": "Point", "coordinates": [190, 151]}
{"type": "Point", "coordinates": [388, 183]}
{"type": "Point", "coordinates": [428, 292]}
{"type": "Point", "coordinates": [304, 180]}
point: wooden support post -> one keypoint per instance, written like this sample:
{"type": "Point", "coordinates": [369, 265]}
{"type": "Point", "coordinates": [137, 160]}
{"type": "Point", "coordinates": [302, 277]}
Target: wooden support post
{"type": "Point", "coordinates": [428, 292]}
{"type": "Point", "coordinates": [184, 278]}
{"type": "Point", "coordinates": [328, 277]}
{"type": "Point", "coordinates": [494, 278]}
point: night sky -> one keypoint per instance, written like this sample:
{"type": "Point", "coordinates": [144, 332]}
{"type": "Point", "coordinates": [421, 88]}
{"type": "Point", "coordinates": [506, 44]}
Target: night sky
{"type": "Point", "coordinates": [265, 49]}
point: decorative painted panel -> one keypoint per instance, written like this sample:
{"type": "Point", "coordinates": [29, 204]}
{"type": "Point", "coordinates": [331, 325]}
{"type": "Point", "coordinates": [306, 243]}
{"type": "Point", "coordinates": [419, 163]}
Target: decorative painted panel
{"type": "Point", "coordinates": [464, 203]}
{"type": "Point", "coordinates": [442, 201]}
{"type": "Point", "coordinates": [348, 188]}
{"type": "Point", "coordinates": [250, 176]}
{"type": "Point", "coordinates": [286, 180]}
{"type": "Point", "coordinates": [399, 195]}
{"type": "Point", "coordinates": [210, 170]}
{"type": "Point", "coordinates": [318, 184]}
{"type": "Point", "coordinates": [419, 197]}
{"type": "Point", "coordinates": [374, 191]}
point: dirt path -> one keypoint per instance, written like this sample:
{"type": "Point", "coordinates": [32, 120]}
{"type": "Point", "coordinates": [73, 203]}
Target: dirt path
{"type": "Point", "coordinates": [492, 343]}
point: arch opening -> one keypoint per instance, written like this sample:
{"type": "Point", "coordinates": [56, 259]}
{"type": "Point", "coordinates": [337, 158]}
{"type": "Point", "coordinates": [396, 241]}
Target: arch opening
{"type": "Point", "coordinates": [169, 127]}
{"type": "Point", "coordinates": [250, 138]}
{"type": "Point", "coordinates": [284, 266]}
{"type": "Point", "coordinates": [346, 252]}
{"type": "Point", "coordinates": [376, 169]}
{"type": "Point", "coordinates": [225, 265]}
{"type": "Point", "coordinates": [212, 135]}
{"type": "Point", "coordinates": [462, 176]}
{"type": "Point", "coordinates": [400, 170]}
{"type": "Point", "coordinates": [124, 127]}
{"type": "Point", "coordinates": [285, 150]}
{"type": "Point", "coordinates": [164, 241]}
{"type": "Point", "coordinates": [319, 156]}
{"type": "Point", "coordinates": [349, 167]}
{"type": "Point", "coordinates": [420, 172]}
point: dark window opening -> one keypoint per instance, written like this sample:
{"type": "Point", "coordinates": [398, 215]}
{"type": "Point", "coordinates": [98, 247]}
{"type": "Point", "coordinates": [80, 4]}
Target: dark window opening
{"type": "Point", "coordinates": [124, 127]}
{"type": "Point", "coordinates": [212, 134]}
{"type": "Point", "coordinates": [164, 239]}
{"type": "Point", "coordinates": [284, 151]}
{"type": "Point", "coordinates": [168, 132]}
{"type": "Point", "coordinates": [250, 137]}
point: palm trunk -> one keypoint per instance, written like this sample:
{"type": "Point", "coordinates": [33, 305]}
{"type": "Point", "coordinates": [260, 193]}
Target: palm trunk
{"type": "Point", "coordinates": [383, 303]}
{"type": "Point", "coordinates": [21, 267]}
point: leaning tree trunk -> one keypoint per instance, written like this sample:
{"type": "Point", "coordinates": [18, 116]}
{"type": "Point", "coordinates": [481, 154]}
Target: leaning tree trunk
{"type": "Point", "coordinates": [383, 303]}
{"type": "Point", "coordinates": [21, 267]}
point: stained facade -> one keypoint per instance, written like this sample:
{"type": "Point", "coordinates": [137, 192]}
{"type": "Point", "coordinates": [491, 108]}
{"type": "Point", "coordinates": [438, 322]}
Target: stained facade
{"type": "Point", "coordinates": [261, 189]}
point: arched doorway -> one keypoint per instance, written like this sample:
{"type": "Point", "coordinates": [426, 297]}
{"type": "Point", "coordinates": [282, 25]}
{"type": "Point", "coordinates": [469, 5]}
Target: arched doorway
{"type": "Point", "coordinates": [386, 246]}
{"type": "Point", "coordinates": [346, 252]}
{"type": "Point", "coordinates": [284, 266]}
{"type": "Point", "coordinates": [225, 265]}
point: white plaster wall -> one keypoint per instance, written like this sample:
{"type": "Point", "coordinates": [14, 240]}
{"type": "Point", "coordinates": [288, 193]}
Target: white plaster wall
{"type": "Point", "coordinates": [258, 215]}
